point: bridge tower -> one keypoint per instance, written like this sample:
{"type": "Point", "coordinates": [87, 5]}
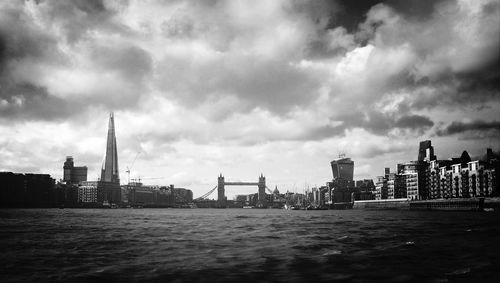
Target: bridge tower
{"type": "Point", "coordinates": [221, 198]}
{"type": "Point", "coordinates": [262, 190]}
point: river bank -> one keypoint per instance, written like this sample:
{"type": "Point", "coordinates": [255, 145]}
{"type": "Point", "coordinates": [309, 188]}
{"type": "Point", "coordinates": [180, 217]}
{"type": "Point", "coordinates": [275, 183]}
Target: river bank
{"type": "Point", "coordinates": [459, 204]}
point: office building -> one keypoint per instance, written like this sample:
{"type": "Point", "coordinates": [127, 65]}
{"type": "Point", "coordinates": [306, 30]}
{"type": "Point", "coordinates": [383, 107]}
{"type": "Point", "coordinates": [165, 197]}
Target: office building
{"type": "Point", "coordinates": [27, 190]}
{"type": "Point", "coordinates": [391, 185]}
{"type": "Point", "coordinates": [434, 185]}
{"type": "Point", "coordinates": [391, 177]}
{"type": "Point", "coordinates": [109, 185]}
{"type": "Point", "coordinates": [381, 188]}
{"type": "Point", "coordinates": [87, 192]}
{"type": "Point", "coordinates": [73, 174]}
{"type": "Point", "coordinates": [365, 190]}
{"type": "Point", "coordinates": [414, 173]}
{"type": "Point", "coordinates": [343, 168]}
{"type": "Point", "coordinates": [426, 151]}
{"type": "Point", "coordinates": [109, 172]}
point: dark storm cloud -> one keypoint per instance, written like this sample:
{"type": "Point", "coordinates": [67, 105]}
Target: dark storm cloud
{"type": "Point", "coordinates": [472, 75]}
{"type": "Point", "coordinates": [407, 36]}
{"type": "Point", "coordinates": [29, 102]}
{"type": "Point", "coordinates": [323, 132]}
{"type": "Point", "coordinates": [353, 12]}
{"type": "Point", "coordinates": [482, 84]}
{"type": "Point", "coordinates": [382, 124]}
{"type": "Point", "coordinates": [222, 55]}
{"type": "Point", "coordinates": [374, 150]}
{"type": "Point", "coordinates": [347, 20]}
{"type": "Point", "coordinates": [444, 62]}
{"type": "Point", "coordinates": [477, 88]}
{"type": "Point", "coordinates": [319, 12]}
{"type": "Point", "coordinates": [372, 121]}
{"type": "Point", "coordinates": [479, 128]}
{"type": "Point", "coordinates": [30, 50]}
{"type": "Point", "coordinates": [77, 17]}
{"type": "Point", "coordinates": [21, 39]}
{"type": "Point", "coordinates": [413, 122]}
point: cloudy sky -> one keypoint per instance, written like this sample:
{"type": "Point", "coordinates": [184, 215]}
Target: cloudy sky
{"type": "Point", "coordinates": [246, 87]}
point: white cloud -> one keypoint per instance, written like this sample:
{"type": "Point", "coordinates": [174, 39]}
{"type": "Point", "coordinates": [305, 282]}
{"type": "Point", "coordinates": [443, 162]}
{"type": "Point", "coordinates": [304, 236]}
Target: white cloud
{"type": "Point", "coordinates": [238, 87]}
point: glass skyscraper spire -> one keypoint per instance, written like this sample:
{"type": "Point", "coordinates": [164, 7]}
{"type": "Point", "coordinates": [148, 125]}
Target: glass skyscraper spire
{"type": "Point", "coordinates": [109, 172]}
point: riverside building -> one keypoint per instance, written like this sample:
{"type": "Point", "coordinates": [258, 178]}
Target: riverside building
{"type": "Point", "coordinates": [343, 189]}
{"type": "Point", "coordinates": [430, 178]}
{"type": "Point", "coordinates": [414, 174]}
{"type": "Point", "coordinates": [464, 178]}
{"type": "Point", "coordinates": [73, 174]}
{"type": "Point", "coordinates": [87, 192]}
{"type": "Point", "coordinates": [390, 186]}
{"type": "Point", "coordinates": [343, 168]}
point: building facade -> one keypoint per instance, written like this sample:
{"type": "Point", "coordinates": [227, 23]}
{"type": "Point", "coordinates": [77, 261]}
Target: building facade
{"type": "Point", "coordinates": [430, 178]}
{"type": "Point", "coordinates": [73, 174]}
{"type": "Point", "coordinates": [473, 179]}
{"type": "Point", "coordinates": [365, 190]}
{"type": "Point", "coordinates": [27, 190]}
{"type": "Point", "coordinates": [414, 174]}
{"type": "Point", "coordinates": [381, 190]}
{"type": "Point", "coordinates": [87, 192]}
{"type": "Point", "coordinates": [426, 151]}
{"type": "Point", "coordinates": [343, 168]}
{"type": "Point", "coordinates": [390, 186]}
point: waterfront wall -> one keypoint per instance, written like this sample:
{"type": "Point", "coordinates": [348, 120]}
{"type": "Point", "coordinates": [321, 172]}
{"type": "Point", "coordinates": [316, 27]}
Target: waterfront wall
{"type": "Point", "coordinates": [382, 204]}
{"type": "Point", "coordinates": [470, 204]}
{"type": "Point", "coordinates": [492, 204]}
{"type": "Point", "coordinates": [458, 204]}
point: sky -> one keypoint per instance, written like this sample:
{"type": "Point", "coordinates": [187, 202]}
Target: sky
{"type": "Point", "coordinates": [241, 88]}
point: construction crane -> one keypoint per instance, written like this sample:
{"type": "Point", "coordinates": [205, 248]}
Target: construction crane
{"type": "Point", "coordinates": [131, 165]}
{"type": "Point", "coordinates": [150, 178]}
{"type": "Point", "coordinates": [139, 178]}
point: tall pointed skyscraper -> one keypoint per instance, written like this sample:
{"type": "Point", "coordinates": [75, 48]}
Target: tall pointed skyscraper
{"type": "Point", "coordinates": [108, 187]}
{"type": "Point", "coordinates": [110, 173]}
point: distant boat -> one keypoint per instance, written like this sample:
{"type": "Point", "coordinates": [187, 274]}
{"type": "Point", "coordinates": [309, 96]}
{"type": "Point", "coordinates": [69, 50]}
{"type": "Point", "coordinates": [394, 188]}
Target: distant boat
{"type": "Point", "coordinates": [248, 206]}
{"type": "Point", "coordinates": [310, 207]}
{"type": "Point", "coordinates": [291, 207]}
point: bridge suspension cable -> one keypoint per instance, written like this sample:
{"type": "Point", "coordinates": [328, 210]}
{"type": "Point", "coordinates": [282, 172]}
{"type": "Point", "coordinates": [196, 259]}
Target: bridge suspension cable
{"type": "Point", "coordinates": [269, 190]}
{"type": "Point", "coordinates": [206, 194]}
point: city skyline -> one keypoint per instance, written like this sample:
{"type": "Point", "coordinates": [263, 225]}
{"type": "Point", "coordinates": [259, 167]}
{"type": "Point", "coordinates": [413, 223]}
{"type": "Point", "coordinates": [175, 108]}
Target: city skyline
{"type": "Point", "coordinates": [246, 88]}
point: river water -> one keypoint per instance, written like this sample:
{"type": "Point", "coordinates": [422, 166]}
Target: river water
{"type": "Point", "coordinates": [227, 245]}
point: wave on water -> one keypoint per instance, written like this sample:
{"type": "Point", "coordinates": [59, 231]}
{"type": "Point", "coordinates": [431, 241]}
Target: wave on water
{"type": "Point", "coordinates": [211, 245]}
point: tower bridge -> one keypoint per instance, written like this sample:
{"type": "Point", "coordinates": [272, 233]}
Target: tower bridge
{"type": "Point", "coordinates": [221, 190]}
{"type": "Point", "coordinates": [221, 184]}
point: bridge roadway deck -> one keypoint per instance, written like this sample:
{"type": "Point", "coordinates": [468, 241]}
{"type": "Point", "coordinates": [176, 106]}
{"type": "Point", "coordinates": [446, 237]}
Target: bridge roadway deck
{"type": "Point", "coordinates": [240, 184]}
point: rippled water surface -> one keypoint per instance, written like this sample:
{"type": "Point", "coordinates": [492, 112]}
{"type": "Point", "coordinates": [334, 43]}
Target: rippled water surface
{"type": "Point", "coordinates": [214, 245]}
